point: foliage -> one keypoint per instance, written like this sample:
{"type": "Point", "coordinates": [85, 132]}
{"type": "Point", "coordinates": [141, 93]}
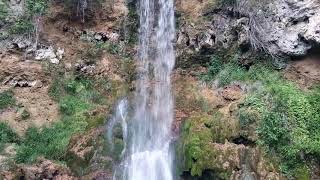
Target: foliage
{"type": "Point", "coordinates": [6, 99]}
{"type": "Point", "coordinates": [198, 134]}
{"type": "Point", "coordinates": [21, 26]}
{"type": "Point", "coordinates": [131, 25]}
{"type": "Point", "coordinates": [288, 118]}
{"type": "Point", "coordinates": [26, 23]}
{"type": "Point", "coordinates": [7, 135]}
{"type": "Point", "coordinates": [36, 7]}
{"type": "Point", "coordinates": [76, 97]}
{"type": "Point", "coordinates": [111, 47]}
{"type": "Point", "coordinates": [3, 10]}
{"type": "Point", "coordinates": [50, 142]}
{"type": "Point", "coordinates": [214, 67]}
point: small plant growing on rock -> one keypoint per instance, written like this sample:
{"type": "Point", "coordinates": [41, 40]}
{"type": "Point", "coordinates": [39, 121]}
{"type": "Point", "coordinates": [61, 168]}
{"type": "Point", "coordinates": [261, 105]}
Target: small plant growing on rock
{"type": "Point", "coordinates": [7, 99]}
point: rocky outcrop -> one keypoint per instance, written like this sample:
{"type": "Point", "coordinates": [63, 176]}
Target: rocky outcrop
{"type": "Point", "coordinates": [281, 28]}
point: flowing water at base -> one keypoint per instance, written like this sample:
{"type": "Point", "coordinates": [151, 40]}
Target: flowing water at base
{"type": "Point", "coordinates": [147, 129]}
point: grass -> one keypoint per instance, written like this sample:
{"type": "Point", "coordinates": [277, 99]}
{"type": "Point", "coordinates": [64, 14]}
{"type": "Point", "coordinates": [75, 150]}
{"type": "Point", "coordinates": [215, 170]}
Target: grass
{"type": "Point", "coordinates": [287, 117]}
{"type": "Point", "coordinates": [7, 135]}
{"type": "Point", "coordinates": [76, 97]}
{"type": "Point", "coordinates": [50, 142]}
{"type": "Point", "coordinates": [7, 99]}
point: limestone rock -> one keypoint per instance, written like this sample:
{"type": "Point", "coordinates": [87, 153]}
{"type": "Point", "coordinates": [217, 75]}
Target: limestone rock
{"type": "Point", "coordinates": [282, 28]}
{"type": "Point", "coordinates": [50, 54]}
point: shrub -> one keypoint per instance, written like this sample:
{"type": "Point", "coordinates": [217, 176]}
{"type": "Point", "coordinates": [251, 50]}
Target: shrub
{"type": "Point", "coordinates": [21, 26]}
{"type": "Point", "coordinates": [76, 96]}
{"type": "Point", "coordinates": [36, 7]}
{"type": "Point", "coordinates": [28, 23]}
{"type": "Point", "coordinates": [214, 67]}
{"type": "Point", "coordinates": [6, 99]}
{"type": "Point", "coordinates": [7, 135]}
{"type": "Point", "coordinates": [70, 105]}
{"type": "Point", "coordinates": [50, 142]}
{"type": "Point", "coordinates": [231, 72]}
{"type": "Point", "coordinates": [288, 119]}
{"type": "Point", "coordinates": [3, 10]}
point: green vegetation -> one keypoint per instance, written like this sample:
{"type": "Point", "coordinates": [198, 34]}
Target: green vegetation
{"type": "Point", "coordinates": [287, 118]}
{"type": "Point", "coordinates": [50, 142]}
{"type": "Point", "coordinates": [3, 10]}
{"type": "Point", "coordinates": [7, 99]}
{"type": "Point", "coordinates": [214, 67]}
{"type": "Point", "coordinates": [26, 23]}
{"type": "Point", "coordinates": [132, 24]}
{"type": "Point", "coordinates": [199, 132]}
{"type": "Point", "coordinates": [227, 69]}
{"type": "Point", "coordinates": [7, 135]}
{"type": "Point", "coordinates": [76, 98]}
{"type": "Point", "coordinates": [36, 7]}
{"type": "Point", "coordinates": [21, 26]}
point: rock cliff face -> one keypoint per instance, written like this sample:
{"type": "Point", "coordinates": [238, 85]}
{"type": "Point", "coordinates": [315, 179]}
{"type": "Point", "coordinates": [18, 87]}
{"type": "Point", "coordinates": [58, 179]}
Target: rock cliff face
{"type": "Point", "coordinates": [281, 27]}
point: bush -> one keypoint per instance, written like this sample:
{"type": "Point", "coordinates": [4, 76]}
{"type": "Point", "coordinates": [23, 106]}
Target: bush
{"type": "Point", "coordinates": [27, 23]}
{"type": "Point", "coordinates": [3, 10]}
{"type": "Point", "coordinates": [76, 97]}
{"type": "Point", "coordinates": [70, 105]}
{"type": "Point", "coordinates": [214, 67]}
{"type": "Point", "coordinates": [7, 135]}
{"type": "Point", "coordinates": [6, 99]}
{"type": "Point", "coordinates": [50, 142]}
{"type": "Point", "coordinates": [21, 26]}
{"type": "Point", "coordinates": [36, 7]}
{"type": "Point", "coordinates": [231, 72]}
{"type": "Point", "coordinates": [288, 119]}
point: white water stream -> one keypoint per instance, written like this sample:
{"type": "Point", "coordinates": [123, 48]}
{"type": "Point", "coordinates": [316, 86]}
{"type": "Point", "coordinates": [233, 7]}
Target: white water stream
{"type": "Point", "coordinates": [147, 130]}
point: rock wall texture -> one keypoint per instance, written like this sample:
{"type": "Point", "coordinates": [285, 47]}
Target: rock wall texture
{"type": "Point", "coordinates": [280, 27]}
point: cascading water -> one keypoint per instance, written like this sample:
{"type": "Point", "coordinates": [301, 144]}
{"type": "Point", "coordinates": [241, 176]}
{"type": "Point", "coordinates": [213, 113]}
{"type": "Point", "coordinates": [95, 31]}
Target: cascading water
{"type": "Point", "coordinates": [148, 130]}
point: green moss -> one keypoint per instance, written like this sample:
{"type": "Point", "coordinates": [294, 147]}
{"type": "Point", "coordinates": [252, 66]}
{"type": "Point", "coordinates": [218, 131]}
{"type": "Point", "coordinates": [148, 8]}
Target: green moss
{"type": "Point", "coordinates": [198, 134]}
{"type": "Point", "coordinates": [7, 99]}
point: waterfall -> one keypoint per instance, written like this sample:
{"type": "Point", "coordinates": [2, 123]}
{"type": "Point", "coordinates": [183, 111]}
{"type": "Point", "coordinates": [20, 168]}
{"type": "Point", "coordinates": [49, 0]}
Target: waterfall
{"type": "Point", "coordinates": [148, 128]}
